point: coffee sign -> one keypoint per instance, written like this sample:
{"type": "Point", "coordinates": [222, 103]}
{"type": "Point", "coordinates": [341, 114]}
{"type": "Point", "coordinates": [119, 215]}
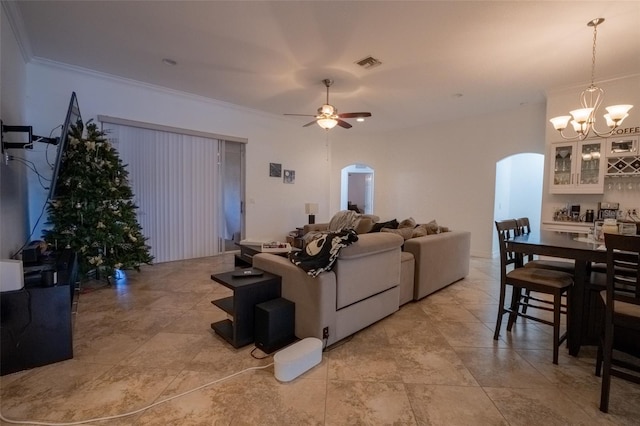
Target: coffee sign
{"type": "Point", "coordinates": [627, 131]}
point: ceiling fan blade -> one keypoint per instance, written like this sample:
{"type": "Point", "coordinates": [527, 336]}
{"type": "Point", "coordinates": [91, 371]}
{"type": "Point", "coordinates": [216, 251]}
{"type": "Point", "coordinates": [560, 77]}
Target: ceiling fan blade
{"type": "Point", "coordinates": [343, 123]}
{"type": "Point", "coordinates": [354, 114]}
{"type": "Point", "coordinates": [301, 115]}
{"type": "Point", "coordinates": [311, 123]}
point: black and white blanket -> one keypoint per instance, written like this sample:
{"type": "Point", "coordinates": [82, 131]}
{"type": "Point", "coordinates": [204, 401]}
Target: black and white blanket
{"type": "Point", "coordinates": [320, 254]}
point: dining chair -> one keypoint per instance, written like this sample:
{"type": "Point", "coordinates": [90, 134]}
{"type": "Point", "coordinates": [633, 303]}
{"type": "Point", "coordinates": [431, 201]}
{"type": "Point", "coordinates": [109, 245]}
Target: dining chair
{"type": "Point", "coordinates": [621, 316]}
{"type": "Point", "coordinates": [524, 228]}
{"type": "Point", "coordinates": [547, 281]}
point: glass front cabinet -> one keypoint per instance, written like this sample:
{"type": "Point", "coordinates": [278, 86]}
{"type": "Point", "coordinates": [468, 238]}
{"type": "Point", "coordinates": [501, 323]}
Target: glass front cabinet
{"type": "Point", "coordinates": [577, 167]}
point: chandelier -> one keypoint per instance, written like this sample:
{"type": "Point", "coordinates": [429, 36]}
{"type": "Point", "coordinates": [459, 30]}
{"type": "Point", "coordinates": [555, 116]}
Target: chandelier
{"type": "Point", "coordinates": [583, 120]}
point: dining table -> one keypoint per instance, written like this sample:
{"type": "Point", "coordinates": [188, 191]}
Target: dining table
{"type": "Point", "coordinates": [584, 307]}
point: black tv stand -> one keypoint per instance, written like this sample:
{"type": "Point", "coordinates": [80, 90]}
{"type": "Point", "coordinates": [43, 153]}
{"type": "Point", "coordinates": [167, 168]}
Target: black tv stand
{"type": "Point", "coordinates": [35, 321]}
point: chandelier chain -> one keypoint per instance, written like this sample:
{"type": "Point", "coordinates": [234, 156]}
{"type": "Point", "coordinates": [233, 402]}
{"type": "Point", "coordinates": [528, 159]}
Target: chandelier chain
{"type": "Point", "coordinates": [593, 57]}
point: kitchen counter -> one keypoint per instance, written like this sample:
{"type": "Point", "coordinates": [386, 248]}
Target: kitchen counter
{"type": "Point", "coordinates": [567, 226]}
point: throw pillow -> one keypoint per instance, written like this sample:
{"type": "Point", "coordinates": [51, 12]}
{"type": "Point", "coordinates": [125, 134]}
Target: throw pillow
{"type": "Point", "coordinates": [407, 223]}
{"type": "Point", "coordinates": [392, 224]}
{"type": "Point", "coordinates": [419, 231]}
{"type": "Point", "coordinates": [365, 224]}
{"type": "Point", "coordinates": [432, 227]}
{"type": "Point", "coordinates": [405, 233]}
{"type": "Point", "coordinates": [344, 219]}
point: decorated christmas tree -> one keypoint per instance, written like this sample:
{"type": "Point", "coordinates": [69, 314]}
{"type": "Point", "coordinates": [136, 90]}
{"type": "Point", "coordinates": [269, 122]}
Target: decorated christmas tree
{"type": "Point", "coordinates": [93, 212]}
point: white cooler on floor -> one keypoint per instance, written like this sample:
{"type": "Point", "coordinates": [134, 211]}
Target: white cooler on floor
{"type": "Point", "coordinates": [11, 275]}
{"type": "Point", "coordinates": [294, 360]}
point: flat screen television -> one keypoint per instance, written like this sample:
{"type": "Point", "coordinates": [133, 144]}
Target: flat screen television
{"type": "Point", "coordinates": [73, 117]}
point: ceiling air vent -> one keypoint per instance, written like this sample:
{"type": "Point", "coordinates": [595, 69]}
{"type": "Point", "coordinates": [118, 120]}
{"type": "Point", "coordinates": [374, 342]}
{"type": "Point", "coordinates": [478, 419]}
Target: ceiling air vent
{"type": "Point", "coordinates": [368, 62]}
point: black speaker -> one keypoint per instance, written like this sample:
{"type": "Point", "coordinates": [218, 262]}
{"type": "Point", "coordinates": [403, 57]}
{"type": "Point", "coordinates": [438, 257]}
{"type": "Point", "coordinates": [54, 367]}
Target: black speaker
{"type": "Point", "coordinates": [274, 324]}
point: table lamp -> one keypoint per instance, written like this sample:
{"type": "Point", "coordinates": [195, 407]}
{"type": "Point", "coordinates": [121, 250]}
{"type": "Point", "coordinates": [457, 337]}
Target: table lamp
{"type": "Point", "coordinates": [311, 209]}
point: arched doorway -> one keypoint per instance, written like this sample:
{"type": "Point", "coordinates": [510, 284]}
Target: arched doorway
{"type": "Point", "coordinates": [356, 191]}
{"type": "Point", "coordinates": [518, 190]}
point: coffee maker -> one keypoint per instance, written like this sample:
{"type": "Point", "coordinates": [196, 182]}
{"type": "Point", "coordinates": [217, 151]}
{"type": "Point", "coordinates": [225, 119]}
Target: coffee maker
{"type": "Point", "coordinates": [608, 210]}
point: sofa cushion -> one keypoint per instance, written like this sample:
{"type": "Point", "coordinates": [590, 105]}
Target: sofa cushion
{"type": "Point", "coordinates": [407, 272]}
{"type": "Point", "coordinates": [419, 231]}
{"type": "Point", "coordinates": [407, 223]}
{"type": "Point", "coordinates": [368, 267]}
{"type": "Point", "coordinates": [393, 224]}
{"type": "Point", "coordinates": [405, 233]}
{"type": "Point", "coordinates": [364, 225]}
{"type": "Point", "coordinates": [370, 243]}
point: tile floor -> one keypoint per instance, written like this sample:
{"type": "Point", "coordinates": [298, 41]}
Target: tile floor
{"type": "Point", "coordinates": [434, 362]}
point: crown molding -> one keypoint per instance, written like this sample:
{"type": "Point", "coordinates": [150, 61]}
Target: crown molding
{"type": "Point", "coordinates": [137, 83]}
{"type": "Point", "coordinates": [16, 22]}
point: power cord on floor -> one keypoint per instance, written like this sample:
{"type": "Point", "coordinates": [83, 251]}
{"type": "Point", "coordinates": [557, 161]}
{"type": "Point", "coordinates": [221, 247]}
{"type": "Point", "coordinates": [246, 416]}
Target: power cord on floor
{"type": "Point", "coordinates": [117, 416]}
{"type": "Point", "coordinates": [338, 344]}
{"type": "Point", "coordinates": [252, 353]}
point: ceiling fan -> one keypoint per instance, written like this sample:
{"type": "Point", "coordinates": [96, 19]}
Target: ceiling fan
{"type": "Point", "coordinates": [328, 116]}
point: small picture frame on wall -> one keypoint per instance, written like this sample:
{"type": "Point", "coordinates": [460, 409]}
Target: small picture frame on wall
{"type": "Point", "coordinates": [275, 170]}
{"type": "Point", "coordinates": [289, 176]}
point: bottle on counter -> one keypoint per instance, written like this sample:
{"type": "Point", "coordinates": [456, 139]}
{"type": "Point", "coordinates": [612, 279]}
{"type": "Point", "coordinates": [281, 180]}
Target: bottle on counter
{"type": "Point", "coordinates": [610, 226]}
{"type": "Point", "coordinates": [589, 216]}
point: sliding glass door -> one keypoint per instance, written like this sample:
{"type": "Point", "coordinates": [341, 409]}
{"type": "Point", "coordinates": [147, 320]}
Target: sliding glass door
{"type": "Point", "coordinates": [233, 194]}
{"type": "Point", "coordinates": [189, 188]}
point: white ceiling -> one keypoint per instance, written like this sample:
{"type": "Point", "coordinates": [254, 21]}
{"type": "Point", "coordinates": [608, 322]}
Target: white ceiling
{"type": "Point", "coordinates": [272, 55]}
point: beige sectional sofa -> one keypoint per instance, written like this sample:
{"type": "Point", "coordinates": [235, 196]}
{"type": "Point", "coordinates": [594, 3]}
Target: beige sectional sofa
{"type": "Point", "coordinates": [370, 280]}
{"type": "Point", "coordinates": [362, 287]}
{"type": "Point", "coordinates": [440, 259]}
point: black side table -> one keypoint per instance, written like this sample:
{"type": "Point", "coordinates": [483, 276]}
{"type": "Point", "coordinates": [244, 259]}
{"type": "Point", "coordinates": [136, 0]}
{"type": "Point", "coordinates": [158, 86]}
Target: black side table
{"type": "Point", "coordinates": [248, 291]}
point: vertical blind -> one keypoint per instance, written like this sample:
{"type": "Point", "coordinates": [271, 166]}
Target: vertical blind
{"type": "Point", "coordinates": [175, 181]}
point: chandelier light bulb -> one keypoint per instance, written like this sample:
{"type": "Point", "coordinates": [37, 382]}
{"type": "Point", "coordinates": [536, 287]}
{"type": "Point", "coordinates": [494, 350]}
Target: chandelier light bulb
{"type": "Point", "coordinates": [581, 115]}
{"type": "Point", "coordinates": [561, 122]}
{"type": "Point", "coordinates": [578, 127]}
{"type": "Point", "coordinates": [618, 112]}
{"type": "Point", "coordinates": [614, 123]}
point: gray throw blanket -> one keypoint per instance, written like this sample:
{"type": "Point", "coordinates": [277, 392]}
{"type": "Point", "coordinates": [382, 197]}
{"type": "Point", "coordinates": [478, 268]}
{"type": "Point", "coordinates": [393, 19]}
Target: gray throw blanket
{"type": "Point", "coordinates": [320, 254]}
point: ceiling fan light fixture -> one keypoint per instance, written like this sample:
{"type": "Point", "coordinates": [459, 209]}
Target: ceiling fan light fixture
{"type": "Point", "coordinates": [328, 117]}
{"type": "Point", "coordinates": [327, 109]}
{"type": "Point", "coordinates": [327, 123]}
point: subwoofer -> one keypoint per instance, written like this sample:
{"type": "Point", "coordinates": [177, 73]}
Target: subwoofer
{"type": "Point", "coordinates": [274, 325]}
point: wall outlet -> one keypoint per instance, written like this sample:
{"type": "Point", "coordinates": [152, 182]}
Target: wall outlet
{"type": "Point", "coordinates": [325, 333]}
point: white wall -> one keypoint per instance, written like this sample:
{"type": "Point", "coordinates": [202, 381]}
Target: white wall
{"type": "Point", "coordinates": [273, 208]}
{"type": "Point", "coordinates": [13, 183]}
{"type": "Point", "coordinates": [444, 171]}
{"type": "Point", "coordinates": [560, 102]}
